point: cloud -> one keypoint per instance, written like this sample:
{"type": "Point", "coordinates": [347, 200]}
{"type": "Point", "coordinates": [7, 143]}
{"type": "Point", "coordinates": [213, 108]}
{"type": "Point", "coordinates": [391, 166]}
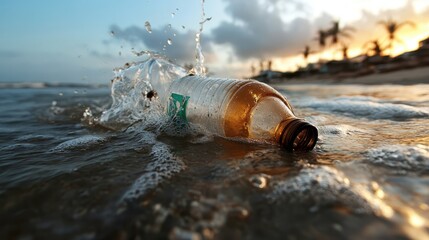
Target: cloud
{"type": "Point", "coordinates": [368, 27]}
{"type": "Point", "coordinates": [182, 48]}
{"type": "Point", "coordinates": [258, 30]}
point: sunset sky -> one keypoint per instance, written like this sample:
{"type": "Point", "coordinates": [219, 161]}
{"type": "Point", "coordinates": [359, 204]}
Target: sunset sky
{"type": "Point", "coordinates": [71, 41]}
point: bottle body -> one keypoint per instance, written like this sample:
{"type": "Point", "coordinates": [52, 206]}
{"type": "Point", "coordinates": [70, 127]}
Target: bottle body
{"type": "Point", "coordinates": [237, 109]}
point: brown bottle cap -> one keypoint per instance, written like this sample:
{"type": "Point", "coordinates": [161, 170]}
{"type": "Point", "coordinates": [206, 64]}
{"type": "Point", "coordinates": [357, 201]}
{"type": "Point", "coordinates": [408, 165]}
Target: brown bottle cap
{"type": "Point", "coordinates": [298, 135]}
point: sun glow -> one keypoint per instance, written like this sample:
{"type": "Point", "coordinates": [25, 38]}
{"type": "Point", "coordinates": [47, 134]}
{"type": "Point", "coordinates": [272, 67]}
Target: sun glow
{"type": "Point", "coordinates": [408, 37]}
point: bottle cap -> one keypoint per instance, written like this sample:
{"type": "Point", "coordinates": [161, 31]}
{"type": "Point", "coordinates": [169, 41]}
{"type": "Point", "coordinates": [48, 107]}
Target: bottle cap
{"type": "Point", "coordinates": [298, 135]}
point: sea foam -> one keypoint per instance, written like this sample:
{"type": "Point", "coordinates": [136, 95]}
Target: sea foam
{"type": "Point", "coordinates": [401, 157]}
{"type": "Point", "coordinates": [163, 166]}
{"type": "Point", "coordinates": [340, 130]}
{"type": "Point", "coordinates": [324, 185]}
{"type": "Point", "coordinates": [80, 143]}
{"type": "Point", "coordinates": [366, 107]}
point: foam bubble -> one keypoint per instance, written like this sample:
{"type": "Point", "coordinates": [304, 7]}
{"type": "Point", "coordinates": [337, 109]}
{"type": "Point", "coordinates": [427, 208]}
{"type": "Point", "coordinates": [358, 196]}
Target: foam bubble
{"type": "Point", "coordinates": [366, 107]}
{"type": "Point", "coordinates": [401, 157]}
{"type": "Point", "coordinates": [80, 143]}
{"type": "Point", "coordinates": [324, 185]}
{"type": "Point", "coordinates": [163, 166]}
{"type": "Point", "coordinates": [341, 130]}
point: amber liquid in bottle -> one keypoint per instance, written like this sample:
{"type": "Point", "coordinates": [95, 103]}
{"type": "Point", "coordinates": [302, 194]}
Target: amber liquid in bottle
{"type": "Point", "coordinates": [242, 109]}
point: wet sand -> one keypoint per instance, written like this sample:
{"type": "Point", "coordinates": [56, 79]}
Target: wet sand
{"type": "Point", "coordinates": [402, 77]}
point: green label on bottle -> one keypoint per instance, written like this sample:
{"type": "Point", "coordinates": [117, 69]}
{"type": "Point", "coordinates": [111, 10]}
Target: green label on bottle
{"type": "Point", "coordinates": [177, 106]}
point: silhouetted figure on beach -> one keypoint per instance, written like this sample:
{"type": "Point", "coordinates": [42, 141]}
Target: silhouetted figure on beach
{"type": "Point", "coordinates": [345, 51]}
{"type": "Point", "coordinates": [374, 48]}
{"type": "Point", "coordinates": [253, 69]}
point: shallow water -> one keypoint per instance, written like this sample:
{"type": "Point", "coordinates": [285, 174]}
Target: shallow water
{"type": "Point", "coordinates": [64, 176]}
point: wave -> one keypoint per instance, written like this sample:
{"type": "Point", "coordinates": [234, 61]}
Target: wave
{"type": "Point", "coordinates": [323, 185]}
{"type": "Point", "coordinates": [414, 158]}
{"type": "Point", "coordinates": [341, 130]}
{"type": "Point", "coordinates": [365, 107]}
{"type": "Point", "coordinates": [80, 143]}
{"type": "Point", "coordinates": [40, 85]}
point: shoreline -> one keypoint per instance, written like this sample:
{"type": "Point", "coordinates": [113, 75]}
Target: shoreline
{"type": "Point", "coordinates": [419, 75]}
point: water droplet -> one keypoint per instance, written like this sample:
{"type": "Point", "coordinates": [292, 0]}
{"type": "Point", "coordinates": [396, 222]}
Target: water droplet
{"type": "Point", "coordinates": [112, 33]}
{"type": "Point", "coordinates": [174, 34]}
{"type": "Point", "coordinates": [209, 18]}
{"type": "Point", "coordinates": [183, 27]}
{"type": "Point", "coordinates": [148, 27]}
{"type": "Point", "coordinates": [173, 14]}
{"type": "Point", "coordinates": [75, 92]}
{"type": "Point", "coordinates": [169, 25]}
{"type": "Point", "coordinates": [54, 103]}
{"type": "Point", "coordinates": [169, 41]}
{"type": "Point", "coordinates": [177, 9]}
{"type": "Point", "coordinates": [60, 94]}
{"type": "Point", "coordinates": [120, 53]}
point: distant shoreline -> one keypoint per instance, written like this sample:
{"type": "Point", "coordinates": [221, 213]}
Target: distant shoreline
{"type": "Point", "coordinates": [419, 75]}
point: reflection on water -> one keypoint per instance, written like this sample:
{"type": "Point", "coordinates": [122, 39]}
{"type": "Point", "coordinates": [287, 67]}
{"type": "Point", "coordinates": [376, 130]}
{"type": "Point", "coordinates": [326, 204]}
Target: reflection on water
{"type": "Point", "coordinates": [64, 176]}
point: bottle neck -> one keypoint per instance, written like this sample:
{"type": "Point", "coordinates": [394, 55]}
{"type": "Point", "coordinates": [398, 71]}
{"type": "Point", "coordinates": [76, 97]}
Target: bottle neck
{"type": "Point", "coordinates": [296, 135]}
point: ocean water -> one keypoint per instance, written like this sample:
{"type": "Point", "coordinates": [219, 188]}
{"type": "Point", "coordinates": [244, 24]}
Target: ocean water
{"type": "Point", "coordinates": [75, 165]}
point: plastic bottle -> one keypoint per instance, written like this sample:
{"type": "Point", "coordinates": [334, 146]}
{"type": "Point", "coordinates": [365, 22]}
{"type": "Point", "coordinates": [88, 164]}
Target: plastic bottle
{"type": "Point", "coordinates": [239, 109]}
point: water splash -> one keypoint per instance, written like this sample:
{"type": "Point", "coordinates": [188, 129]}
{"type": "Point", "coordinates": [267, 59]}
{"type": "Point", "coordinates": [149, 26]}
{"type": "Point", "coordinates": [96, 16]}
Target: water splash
{"type": "Point", "coordinates": [169, 41]}
{"type": "Point", "coordinates": [199, 56]}
{"type": "Point", "coordinates": [139, 91]}
{"type": "Point", "coordinates": [148, 27]}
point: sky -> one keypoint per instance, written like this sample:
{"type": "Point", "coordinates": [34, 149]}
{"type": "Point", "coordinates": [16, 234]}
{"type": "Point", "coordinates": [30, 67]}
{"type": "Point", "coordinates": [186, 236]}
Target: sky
{"type": "Point", "coordinates": [81, 41]}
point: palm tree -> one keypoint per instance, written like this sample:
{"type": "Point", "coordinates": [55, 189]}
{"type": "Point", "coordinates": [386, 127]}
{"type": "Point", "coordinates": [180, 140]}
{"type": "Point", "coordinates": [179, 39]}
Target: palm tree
{"type": "Point", "coordinates": [392, 28]}
{"type": "Point", "coordinates": [336, 32]}
{"type": "Point", "coordinates": [322, 35]}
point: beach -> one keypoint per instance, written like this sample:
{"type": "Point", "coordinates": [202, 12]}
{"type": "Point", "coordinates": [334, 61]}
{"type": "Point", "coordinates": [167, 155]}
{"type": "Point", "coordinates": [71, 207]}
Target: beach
{"type": "Point", "coordinates": [418, 75]}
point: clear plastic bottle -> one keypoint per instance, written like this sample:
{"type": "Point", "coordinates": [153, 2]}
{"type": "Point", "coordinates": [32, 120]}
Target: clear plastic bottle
{"type": "Point", "coordinates": [239, 109]}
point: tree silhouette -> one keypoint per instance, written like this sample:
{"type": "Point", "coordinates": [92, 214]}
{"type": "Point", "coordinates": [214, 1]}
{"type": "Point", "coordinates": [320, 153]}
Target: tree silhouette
{"type": "Point", "coordinates": [321, 38]}
{"type": "Point", "coordinates": [336, 32]}
{"type": "Point", "coordinates": [392, 27]}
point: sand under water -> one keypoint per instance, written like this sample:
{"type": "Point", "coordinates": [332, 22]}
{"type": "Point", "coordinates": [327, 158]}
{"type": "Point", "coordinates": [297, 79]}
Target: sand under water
{"type": "Point", "coordinates": [75, 165]}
